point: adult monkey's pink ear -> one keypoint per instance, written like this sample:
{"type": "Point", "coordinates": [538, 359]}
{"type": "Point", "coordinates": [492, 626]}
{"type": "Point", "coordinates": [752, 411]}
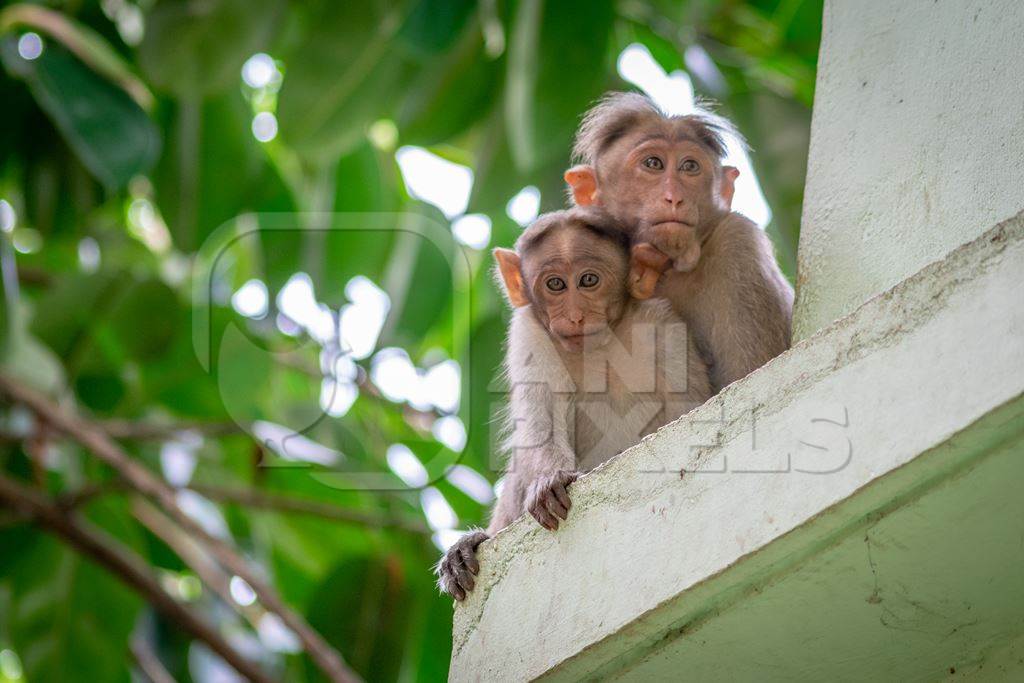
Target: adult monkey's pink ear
{"type": "Point", "coordinates": [646, 264]}
{"type": "Point", "coordinates": [511, 276]}
{"type": "Point", "coordinates": [728, 187]}
{"type": "Point", "coordinates": [583, 182]}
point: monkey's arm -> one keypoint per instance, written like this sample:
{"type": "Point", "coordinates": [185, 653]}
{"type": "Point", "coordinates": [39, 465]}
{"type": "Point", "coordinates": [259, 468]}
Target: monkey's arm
{"type": "Point", "coordinates": [542, 462]}
{"type": "Point", "coordinates": [679, 243]}
{"type": "Point", "coordinates": [750, 301]}
{"type": "Point", "coordinates": [535, 482]}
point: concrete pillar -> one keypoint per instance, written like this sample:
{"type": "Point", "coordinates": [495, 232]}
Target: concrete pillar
{"type": "Point", "coordinates": [917, 143]}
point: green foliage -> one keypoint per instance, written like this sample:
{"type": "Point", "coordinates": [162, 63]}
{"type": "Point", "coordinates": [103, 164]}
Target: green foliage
{"type": "Point", "coordinates": [108, 131]}
{"type": "Point", "coordinates": [139, 216]}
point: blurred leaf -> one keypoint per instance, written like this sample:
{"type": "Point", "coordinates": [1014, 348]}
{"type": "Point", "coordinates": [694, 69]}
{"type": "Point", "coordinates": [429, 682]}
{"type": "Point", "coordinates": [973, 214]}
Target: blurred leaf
{"type": "Point", "coordinates": [189, 185]}
{"type": "Point", "coordinates": [665, 52]}
{"type": "Point", "coordinates": [100, 389]}
{"type": "Point", "coordinates": [362, 608]}
{"type": "Point", "coordinates": [420, 276]}
{"type": "Point", "coordinates": [86, 44]}
{"type": "Point", "coordinates": [65, 312]}
{"type": "Point", "coordinates": [108, 131]}
{"type": "Point", "coordinates": [433, 25]}
{"type": "Point", "coordinates": [24, 357]}
{"type": "Point", "coordinates": [145, 319]}
{"type": "Point", "coordinates": [70, 620]}
{"type": "Point", "coordinates": [486, 396]}
{"type": "Point", "coordinates": [243, 372]}
{"type": "Point", "coordinates": [367, 192]}
{"type": "Point", "coordinates": [341, 77]}
{"type": "Point", "coordinates": [193, 48]}
{"type": "Point", "coordinates": [556, 68]}
{"type": "Point", "coordinates": [453, 92]}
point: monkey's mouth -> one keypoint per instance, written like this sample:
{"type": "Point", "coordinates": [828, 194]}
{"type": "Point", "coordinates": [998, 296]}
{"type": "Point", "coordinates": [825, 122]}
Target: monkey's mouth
{"type": "Point", "coordinates": [673, 223]}
{"type": "Point", "coordinates": [576, 342]}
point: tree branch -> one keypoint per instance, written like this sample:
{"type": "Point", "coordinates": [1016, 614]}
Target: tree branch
{"type": "Point", "coordinates": [261, 500]}
{"type": "Point", "coordinates": [148, 661]}
{"type": "Point", "coordinates": [190, 552]}
{"type": "Point", "coordinates": [127, 566]}
{"type": "Point", "coordinates": [271, 501]}
{"type": "Point", "coordinates": [146, 483]}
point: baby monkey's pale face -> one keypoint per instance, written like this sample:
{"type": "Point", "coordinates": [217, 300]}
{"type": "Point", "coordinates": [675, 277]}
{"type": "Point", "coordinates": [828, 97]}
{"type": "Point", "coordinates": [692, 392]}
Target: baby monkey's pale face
{"type": "Point", "coordinates": [577, 283]}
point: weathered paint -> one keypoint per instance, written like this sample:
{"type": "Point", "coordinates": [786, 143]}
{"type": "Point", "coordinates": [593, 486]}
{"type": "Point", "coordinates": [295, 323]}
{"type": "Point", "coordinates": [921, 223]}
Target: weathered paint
{"type": "Point", "coordinates": [647, 557]}
{"type": "Point", "coordinates": [917, 143]}
{"type": "Point", "coordinates": [913, 579]}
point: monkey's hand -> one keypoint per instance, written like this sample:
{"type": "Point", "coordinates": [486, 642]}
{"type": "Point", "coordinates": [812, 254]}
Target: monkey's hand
{"type": "Point", "coordinates": [678, 243]}
{"type": "Point", "coordinates": [456, 569]}
{"type": "Point", "coordinates": [547, 499]}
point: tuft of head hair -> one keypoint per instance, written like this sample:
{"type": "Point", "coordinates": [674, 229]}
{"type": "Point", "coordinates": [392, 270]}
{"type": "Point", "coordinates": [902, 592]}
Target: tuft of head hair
{"type": "Point", "coordinates": [618, 112]}
{"type": "Point", "coordinates": [591, 218]}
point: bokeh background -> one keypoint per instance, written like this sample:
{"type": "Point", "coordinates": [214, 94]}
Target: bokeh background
{"type": "Point", "coordinates": [313, 189]}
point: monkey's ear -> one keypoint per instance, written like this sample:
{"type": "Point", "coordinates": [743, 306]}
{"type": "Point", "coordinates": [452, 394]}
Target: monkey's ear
{"type": "Point", "coordinates": [646, 264]}
{"type": "Point", "coordinates": [583, 182]}
{"type": "Point", "coordinates": [511, 276]}
{"type": "Point", "coordinates": [728, 188]}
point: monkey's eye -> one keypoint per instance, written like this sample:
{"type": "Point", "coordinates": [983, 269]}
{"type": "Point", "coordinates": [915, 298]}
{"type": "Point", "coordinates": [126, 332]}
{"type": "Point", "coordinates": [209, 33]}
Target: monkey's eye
{"type": "Point", "coordinates": [690, 166]}
{"type": "Point", "coordinates": [653, 163]}
{"type": "Point", "coordinates": [555, 284]}
{"type": "Point", "coordinates": [589, 280]}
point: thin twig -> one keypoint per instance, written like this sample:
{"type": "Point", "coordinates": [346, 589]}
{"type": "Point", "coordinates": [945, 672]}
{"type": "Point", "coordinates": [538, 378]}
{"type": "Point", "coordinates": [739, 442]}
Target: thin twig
{"type": "Point", "coordinates": [146, 483]}
{"type": "Point", "coordinates": [127, 566]}
{"type": "Point", "coordinates": [148, 661]}
{"type": "Point", "coordinates": [261, 500]}
{"type": "Point", "coordinates": [279, 503]}
{"type": "Point", "coordinates": [190, 552]}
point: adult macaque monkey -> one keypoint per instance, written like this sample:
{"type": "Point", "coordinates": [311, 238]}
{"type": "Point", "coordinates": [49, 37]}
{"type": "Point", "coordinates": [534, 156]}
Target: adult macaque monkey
{"type": "Point", "coordinates": [592, 366]}
{"type": "Point", "coordinates": [664, 174]}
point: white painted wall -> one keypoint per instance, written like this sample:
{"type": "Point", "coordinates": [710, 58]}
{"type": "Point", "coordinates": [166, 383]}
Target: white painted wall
{"type": "Point", "coordinates": [917, 143]}
{"type": "Point", "coordinates": [769, 453]}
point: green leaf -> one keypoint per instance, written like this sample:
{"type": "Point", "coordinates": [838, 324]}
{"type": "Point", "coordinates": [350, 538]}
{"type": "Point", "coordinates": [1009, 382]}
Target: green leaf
{"type": "Point", "coordinates": [198, 48]}
{"type": "Point", "coordinates": [362, 608]}
{"type": "Point", "coordinates": [433, 25]}
{"type": "Point", "coordinates": [420, 278]}
{"type": "Point", "coordinates": [65, 313]}
{"type": "Point", "coordinates": [70, 619]}
{"type": "Point", "coordinates": [24, 357]}
{"type": "Point", "coordinates": [481, 407]}
{"type": "Point", "coordinates": [453, 92]}
{"type": "Point", "coordinates": [212, 142]}
{"type": "Point", "coordinates": [85, 43]}
{"type": "Point", "coordinates": [108, 131]}
{"type": "Point", "coordinates": [341, 77]}
{"type": "Point", "coordinates": [557, 66]}
{"type": "Point", "coordinates": [367, 190]}
{"type": "Point", "coordinates": [145, 319]}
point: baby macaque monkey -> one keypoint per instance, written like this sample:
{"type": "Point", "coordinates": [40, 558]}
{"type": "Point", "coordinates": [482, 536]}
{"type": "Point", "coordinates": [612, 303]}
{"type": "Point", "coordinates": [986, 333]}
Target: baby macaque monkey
{"type": "Point", "coordinates": [593, 365]}
{"type": "Point", "coordinates": [663, 175]}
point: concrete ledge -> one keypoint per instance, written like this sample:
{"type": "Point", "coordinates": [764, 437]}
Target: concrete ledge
{"type": "Point", "coordinates": [883, 411]}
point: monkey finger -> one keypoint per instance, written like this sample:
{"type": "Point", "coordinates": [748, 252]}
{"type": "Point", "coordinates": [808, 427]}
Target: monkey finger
{"type": "Point", "coordinates": [465, 579]}
{"type": "Point", "coordinates": [552, 520]}
{"type": "Point", "coordinates": [555, 506]}
{"type": "Point", "coordinates": [543, 518]}
{"type": "Point", "coordinates": [454, 558]}
{"type": "Point", "coordinates": [562, 495]}
{"type": "Point", "coordinates": [469, 560]}
{"type": "Point", "coordinates": [457, 592]}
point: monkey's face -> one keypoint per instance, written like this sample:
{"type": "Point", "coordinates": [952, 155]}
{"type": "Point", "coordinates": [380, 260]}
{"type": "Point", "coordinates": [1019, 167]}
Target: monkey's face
{"type": "Point", "coordinates": [577, 286]}
{"type": "Point", "coordinates": [660, 175]}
